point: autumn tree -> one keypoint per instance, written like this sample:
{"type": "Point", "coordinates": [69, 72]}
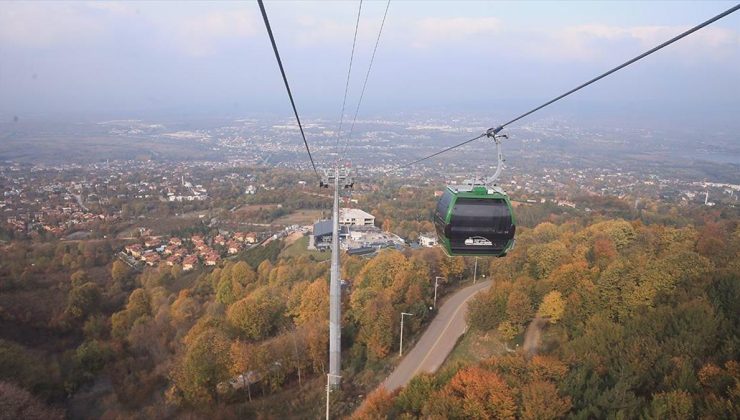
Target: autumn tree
{"type": "Point", "coordinates": [542, 259]}
{"type": "Point", "coordinates": [487, 310]}
{"type": "Point", "coordinates": [256, 316]}
{"type": "Point", "coordinates": [474, 393]}
{"type": "Point", "coordinates": [17, 403]}
{"type": "Point", "coordinates": [138, 307]}
{"type": "Point", "coordinates": [378, 405]}
{"type": "Point", "coordinates": [519, 308]}
{"type": "Point", "coordinates": [204, 364]}
{"type": "Point", "coordinates": [552, 307]}
{"type": "Point", "coordinates": [453, 268]}
{"type": "Point", "coordinates": [119, 270]}
{"type": "Point", "coordinates": [540, 401]}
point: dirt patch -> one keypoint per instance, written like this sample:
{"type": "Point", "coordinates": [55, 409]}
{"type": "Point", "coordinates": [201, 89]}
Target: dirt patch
{"type": "Point", "coordinates": [533, 336]}
{"type": "Point", "coordinates": [293, 237]}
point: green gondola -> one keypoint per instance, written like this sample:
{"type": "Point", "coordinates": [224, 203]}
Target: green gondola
{"type": "Point", "coordinates": [476, 219]}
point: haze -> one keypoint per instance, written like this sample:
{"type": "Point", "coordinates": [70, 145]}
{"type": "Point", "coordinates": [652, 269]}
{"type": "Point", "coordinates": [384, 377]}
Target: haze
{"type": "Point", "coordinates": [103, 59]}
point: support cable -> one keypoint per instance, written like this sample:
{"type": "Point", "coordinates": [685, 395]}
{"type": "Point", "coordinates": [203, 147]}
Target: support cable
{"type": "Point", "coordinates": [493, 131]}
{"type": "Point", "coordinates": [364, 84]}
{"type": "Point", "coordinates": [287, 86]}
{"type": "Point", "coordinates": [346, 85]}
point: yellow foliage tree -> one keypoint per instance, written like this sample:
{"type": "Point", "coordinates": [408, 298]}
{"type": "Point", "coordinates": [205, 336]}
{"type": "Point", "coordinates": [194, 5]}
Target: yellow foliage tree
{"type": "Point", "coordinates": [552, 307]}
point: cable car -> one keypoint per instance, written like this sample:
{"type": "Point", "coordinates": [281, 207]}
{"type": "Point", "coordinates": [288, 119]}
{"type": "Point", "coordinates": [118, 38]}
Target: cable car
{"type": "Point", "coordinates": [475, 218]}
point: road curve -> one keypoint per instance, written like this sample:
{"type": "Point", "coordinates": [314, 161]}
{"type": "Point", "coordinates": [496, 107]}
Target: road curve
{"type": "Point", "coordinates": [438, 340]}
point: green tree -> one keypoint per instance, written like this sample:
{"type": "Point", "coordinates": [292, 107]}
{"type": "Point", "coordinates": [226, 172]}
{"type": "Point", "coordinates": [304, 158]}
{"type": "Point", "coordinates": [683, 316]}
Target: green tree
{"type": "Point", "coordinates": [83, 301]}
{"type": "Point", "coordinates": [671, 405]}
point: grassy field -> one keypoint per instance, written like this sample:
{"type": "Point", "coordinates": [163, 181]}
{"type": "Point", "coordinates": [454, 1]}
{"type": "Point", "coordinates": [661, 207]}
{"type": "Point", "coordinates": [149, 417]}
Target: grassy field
{"type": "Point", "coordinates": [300, 217]}
{"type": "Point", "coordinates": [298, 248]}
{"type": "Point", "coordinates": [474, 346]}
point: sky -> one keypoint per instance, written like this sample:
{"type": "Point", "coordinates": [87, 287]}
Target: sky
{"type": "Point", "coordinates": [176, 59]}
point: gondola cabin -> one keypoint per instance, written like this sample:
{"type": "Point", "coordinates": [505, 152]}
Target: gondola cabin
{"type": "Point", "coordinates": [475, 220]}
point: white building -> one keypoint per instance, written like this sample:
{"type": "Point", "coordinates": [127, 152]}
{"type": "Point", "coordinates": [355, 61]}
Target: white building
{"type": "Point", "coordinates": [356, 217]}
{"type": "Point", "coordinates": [428, 240]}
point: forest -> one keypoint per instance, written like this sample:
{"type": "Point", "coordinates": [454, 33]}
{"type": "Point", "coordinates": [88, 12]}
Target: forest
{"type": "Point", "coordinates": [637, 307]}
{"type": "Point", "coordinates": [640, 321]}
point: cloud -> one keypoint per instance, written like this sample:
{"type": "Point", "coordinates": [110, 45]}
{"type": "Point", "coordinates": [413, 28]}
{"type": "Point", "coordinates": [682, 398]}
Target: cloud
{"type": "Point", "coordinates": [594, 41]}
{"type": "Point", "coordinates": [430, 31]}
{"type": "Point", "coordinates": [194, 30]}
{"type": "Point", "coordinates": [113, 7]}
{"type": "Point", "coordinates": [39, 25]}
{"type": "Point", "coordinates": [201, 35]}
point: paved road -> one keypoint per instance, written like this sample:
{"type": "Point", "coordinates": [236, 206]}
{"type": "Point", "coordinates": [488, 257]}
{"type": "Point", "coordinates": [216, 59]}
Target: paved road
{"type": "Point", "coordinates": [438, 340]}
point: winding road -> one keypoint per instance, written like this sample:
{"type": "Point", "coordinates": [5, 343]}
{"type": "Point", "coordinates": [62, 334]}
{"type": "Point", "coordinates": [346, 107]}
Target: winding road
{"type": "Point", "coordinates": [438, 340]}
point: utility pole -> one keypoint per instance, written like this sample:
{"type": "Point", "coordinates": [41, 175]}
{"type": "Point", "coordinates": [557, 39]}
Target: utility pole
{"type": "Point", "coordinates": [475, 272]}
{"type": "Point", "coordinates": [436, 280]}
{"type": "Point", "coordinates": [329, 377]}
{"type": "Point", "coordinates": [400, 346]}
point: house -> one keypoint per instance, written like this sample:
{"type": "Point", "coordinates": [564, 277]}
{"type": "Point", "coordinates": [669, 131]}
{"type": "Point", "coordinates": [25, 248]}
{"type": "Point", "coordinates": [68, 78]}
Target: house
{"type": "Point", "coordinates": [428, 240]}
{"type": "Point", "coordinates": [565, 203]}
{"type": "Point", "coordinates": [250, 238]}
{"type": "Point", "coordinates": [172, 260]}
{"type": "Point", "coordinates": [234, 247]}
{"type": "Point", "coordinates": [199, 244]}
{"type": "Point", "coordinates": [212, 259]}
{"type": "Point", "coordinates": [151, 259]}
{"type": "Point", "coordinates": [205, 251]}
{"type": "Point", "coordinates": [220, 240]}
{"type": "Point", "coordinates": [356, 217]}
{"type": "Point", "coordinates": [189, 262]}
{"type": "Point", "coordinates": [176, 241]}
{"type": "Point", "coordinates": [134, 250]}
{"type": "Point", "coordinates": [152, 242]}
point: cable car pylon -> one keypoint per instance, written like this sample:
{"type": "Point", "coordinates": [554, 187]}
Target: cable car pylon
{"type": "Point", "coordinates": [339, 177]}
{"type": "Point", "coordinates": [335, 294]}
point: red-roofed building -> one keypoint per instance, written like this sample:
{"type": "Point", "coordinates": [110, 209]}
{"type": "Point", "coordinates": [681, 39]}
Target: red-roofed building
{"type": "Point", "coordinates": [172, 260]}
{"type": "Point", "coordinates": [134, 250]}
{"type": "Point", "coordinates": [189, 262]}
{"type": "Point", "coordinates": [234, 247]}
{"type": "Point", "coordinates": [212, 259]}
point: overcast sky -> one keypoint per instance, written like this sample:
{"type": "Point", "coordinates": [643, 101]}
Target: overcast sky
{"type": "Point", "coordinates": [101, 59]}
